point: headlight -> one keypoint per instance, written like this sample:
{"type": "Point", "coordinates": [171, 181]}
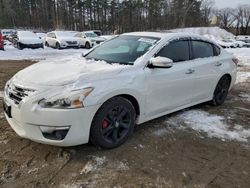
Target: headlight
{"type": "Point", "coordinates": [92, 40]}
{"type": "Point", "coordinates": [73, 99]}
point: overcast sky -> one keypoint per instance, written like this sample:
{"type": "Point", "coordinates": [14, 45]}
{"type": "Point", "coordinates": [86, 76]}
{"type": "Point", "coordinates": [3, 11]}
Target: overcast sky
{"type": "Point", "coordinates": [230, 3]}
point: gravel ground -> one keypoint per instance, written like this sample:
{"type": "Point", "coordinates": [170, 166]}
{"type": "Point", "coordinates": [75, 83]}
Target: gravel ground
{"type": "Point", "coordinates": [172, 151]}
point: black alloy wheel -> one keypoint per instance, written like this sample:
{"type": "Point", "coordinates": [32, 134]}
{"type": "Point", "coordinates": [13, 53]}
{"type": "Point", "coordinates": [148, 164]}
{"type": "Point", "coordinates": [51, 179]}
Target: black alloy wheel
{"type": "Point", "coordinates": [221, 91]}
{"type": "Point", "coordinates": [58, 46]}
{"type": "Point", "coordinates": [113, 123]}
{"type": "Point", "coordinates": [87, 45]}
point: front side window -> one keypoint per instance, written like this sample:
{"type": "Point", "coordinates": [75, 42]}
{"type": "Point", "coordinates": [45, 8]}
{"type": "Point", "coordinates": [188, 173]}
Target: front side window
{"type": "Point", "coordinates": [202, 49]}
{"type": "Point", "coordinates": [124, 49]}
{"type": "Point", "coordinates": [177, 51]}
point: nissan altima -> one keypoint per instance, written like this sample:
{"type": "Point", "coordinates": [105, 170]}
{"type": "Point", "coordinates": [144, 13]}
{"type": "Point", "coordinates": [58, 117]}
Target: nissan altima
{"type": "Point", "coordinates": [128, 80]}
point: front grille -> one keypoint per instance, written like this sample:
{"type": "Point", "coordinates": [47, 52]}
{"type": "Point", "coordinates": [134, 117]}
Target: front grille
{"type": "Point", "coordinates": [71, 42]}
{"type": "Point", "coordinates": [17, 93]}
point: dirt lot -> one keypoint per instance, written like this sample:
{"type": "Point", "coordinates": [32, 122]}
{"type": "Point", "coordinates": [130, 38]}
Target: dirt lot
{"type": "Point", "coordinates": [160, 154]}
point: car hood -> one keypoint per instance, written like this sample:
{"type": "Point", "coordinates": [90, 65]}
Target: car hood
{"type": "Point", "coordinates": [30, 40]}
{"type": "Point", "coordinates": [67, 38]}
{"type": "Point", "coordinates": [66, 71]}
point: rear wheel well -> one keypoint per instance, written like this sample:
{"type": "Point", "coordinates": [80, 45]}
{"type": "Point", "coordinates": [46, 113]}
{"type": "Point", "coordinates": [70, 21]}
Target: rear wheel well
{"type": "Point", "coordinates": [133, 101]}
{"type": "Point", "coordinates": [228, 76]}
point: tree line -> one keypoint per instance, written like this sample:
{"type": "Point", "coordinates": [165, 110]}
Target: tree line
{"type": "Point", "coordinates": [114, 15]}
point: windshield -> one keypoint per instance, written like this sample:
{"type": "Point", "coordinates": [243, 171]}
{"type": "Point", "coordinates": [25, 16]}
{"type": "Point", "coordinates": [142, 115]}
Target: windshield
{"type": "Point", "coordinates": [65, 33]}
{"type": "Point", "coordinates": [92, 34]}
{"type": "Point", "coordinates": [124, 49]}
{"type": "Point", "coordinates": [27, 34]}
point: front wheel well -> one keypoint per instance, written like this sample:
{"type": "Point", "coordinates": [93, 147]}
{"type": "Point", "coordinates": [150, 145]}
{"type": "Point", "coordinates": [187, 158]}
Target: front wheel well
{"type": "Point", "coordinates": [134, 102]}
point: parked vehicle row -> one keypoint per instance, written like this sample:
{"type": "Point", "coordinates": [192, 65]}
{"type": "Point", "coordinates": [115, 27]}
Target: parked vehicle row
{"type": "Point", "coordinates": [55, 39]}
{"type": "Point", "coordinates": [233, 43]}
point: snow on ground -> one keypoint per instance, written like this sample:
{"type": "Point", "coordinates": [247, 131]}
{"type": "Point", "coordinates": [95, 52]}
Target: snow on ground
{"type": "Point", "coordinates": [243, 54]}
{"type": "Point", "coordinates": [245, 96]}
{"type": "Point", "coordinates": [243, 77]}
{"type": "Point", "coordinates": [12, 53]}
{"type": "Point", "coordinates": [213, 33]}
{"type": "Point", "coordinates": [213, 125]}
{"type": "Point", "coordinates": [1, 94]}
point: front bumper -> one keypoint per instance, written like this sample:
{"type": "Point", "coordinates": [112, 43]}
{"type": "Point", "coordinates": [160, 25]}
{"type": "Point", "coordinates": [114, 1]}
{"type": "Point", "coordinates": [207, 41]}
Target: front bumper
{"type": "Point", "coordinates": [28, 119]}
{"type": "Point", "coordinates": [33, 46]}
{"type": "Point", "coordinates": [69, 45]}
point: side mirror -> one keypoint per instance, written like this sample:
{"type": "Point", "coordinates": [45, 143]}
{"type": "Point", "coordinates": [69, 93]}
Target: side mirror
{"type": "Point", "coordinates": [160, 62]}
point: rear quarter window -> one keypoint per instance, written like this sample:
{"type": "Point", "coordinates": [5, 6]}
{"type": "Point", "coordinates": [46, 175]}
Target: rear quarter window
{"type": "Point", "coordinates": [216, 50]}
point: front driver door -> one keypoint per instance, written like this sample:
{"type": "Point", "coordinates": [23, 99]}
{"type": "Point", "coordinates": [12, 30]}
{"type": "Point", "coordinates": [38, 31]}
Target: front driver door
{"type": "Point", "coordinates": [171, 88]}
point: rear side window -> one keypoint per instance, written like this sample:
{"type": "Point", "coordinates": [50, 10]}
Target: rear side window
{"type": "Point", "coordinates": [202, 49]}
{"type": "Point", "coordinates": [177, 51]}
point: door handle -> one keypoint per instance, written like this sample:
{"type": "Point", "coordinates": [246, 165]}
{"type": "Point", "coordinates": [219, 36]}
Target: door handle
{"type": "Point", "coordinates": [218, 64]}
{"type": "Point", "coordinates": [190, 71]}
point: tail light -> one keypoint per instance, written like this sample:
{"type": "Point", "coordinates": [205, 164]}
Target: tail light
{"type": "Point", "coordinates": [236, 61]}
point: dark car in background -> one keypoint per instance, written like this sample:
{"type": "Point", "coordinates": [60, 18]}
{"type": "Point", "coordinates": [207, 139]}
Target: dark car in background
{"type": "Point", "coordinates": [26, 39]}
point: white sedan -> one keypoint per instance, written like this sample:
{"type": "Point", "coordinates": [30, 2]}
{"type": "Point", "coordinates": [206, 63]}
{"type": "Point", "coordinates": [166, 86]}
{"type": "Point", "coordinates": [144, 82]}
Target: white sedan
{"type": "Point", "coordinates": [125, 81]}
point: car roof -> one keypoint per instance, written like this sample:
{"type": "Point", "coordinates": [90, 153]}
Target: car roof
{"type": "Point", "coordinates": [168, 35]}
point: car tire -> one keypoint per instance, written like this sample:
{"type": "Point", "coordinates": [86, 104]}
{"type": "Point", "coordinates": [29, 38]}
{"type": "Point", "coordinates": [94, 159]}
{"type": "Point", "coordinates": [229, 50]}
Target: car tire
{"type": "Point", "coordinates": [221, 91]}
{"type": "Point", "coordinates": [19, 46]}
{"type": "Point", "coordinates": [87, 45]}
{"type": "Point", "coordinates": [46, 44]}
{"type": "Point", "coordinates": [113, 123]}
{"type": "Point", "coordinates": [58, 46]}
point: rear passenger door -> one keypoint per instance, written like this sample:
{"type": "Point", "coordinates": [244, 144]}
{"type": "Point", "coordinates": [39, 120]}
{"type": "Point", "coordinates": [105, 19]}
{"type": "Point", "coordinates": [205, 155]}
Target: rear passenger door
{"type": "Point", "coordinates": [207, 63]}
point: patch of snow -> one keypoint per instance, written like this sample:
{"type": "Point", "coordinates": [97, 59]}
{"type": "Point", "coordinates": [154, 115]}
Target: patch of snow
{"type": "Point", "coordinates": [34, 170]}
{"type": "Point", "coordinates": [93, 164]}
{"type": "Point", "coordinates": [242, 77]}
{"type": "Point", "coordinates": [12, 53]}
{"type": "Point", "coordinates": [1, 94]}
{"type": "Point", "coordinates": [212, 125]}
{"type": "Point", "coordinates": [161, 132]}
{"type": "Point", "coordinates": [244, 96]}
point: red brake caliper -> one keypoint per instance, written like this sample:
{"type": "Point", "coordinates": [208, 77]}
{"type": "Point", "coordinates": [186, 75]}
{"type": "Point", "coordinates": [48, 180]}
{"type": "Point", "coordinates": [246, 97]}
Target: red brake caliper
{"type": "Point", "coordinates": [105, 124]}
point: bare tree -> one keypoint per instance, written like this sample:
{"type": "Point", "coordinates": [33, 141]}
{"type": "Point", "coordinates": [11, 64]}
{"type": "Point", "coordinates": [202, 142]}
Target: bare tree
{"type": "Point", "coordinates": [242, 16]}
{"type": "Point", "coordinates": [207, 7]}
{"type": "Point", "coordinates": [226, 17]}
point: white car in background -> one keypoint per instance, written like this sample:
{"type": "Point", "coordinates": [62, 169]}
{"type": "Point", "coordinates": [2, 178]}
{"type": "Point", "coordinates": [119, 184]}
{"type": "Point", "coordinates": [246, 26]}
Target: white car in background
{"type": "Point", "coordinates": [227, 43]}
{"type": "Point", "coordinates": [26, 39]}
{"type": "Point", "coordinates": [131, 79]}
{"type": "Point", "coordinates": [239, 44]}
{"type": "Point", "coordinates": [88, 39]}
{"type": "Point", "coordinates": [61, 39]}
